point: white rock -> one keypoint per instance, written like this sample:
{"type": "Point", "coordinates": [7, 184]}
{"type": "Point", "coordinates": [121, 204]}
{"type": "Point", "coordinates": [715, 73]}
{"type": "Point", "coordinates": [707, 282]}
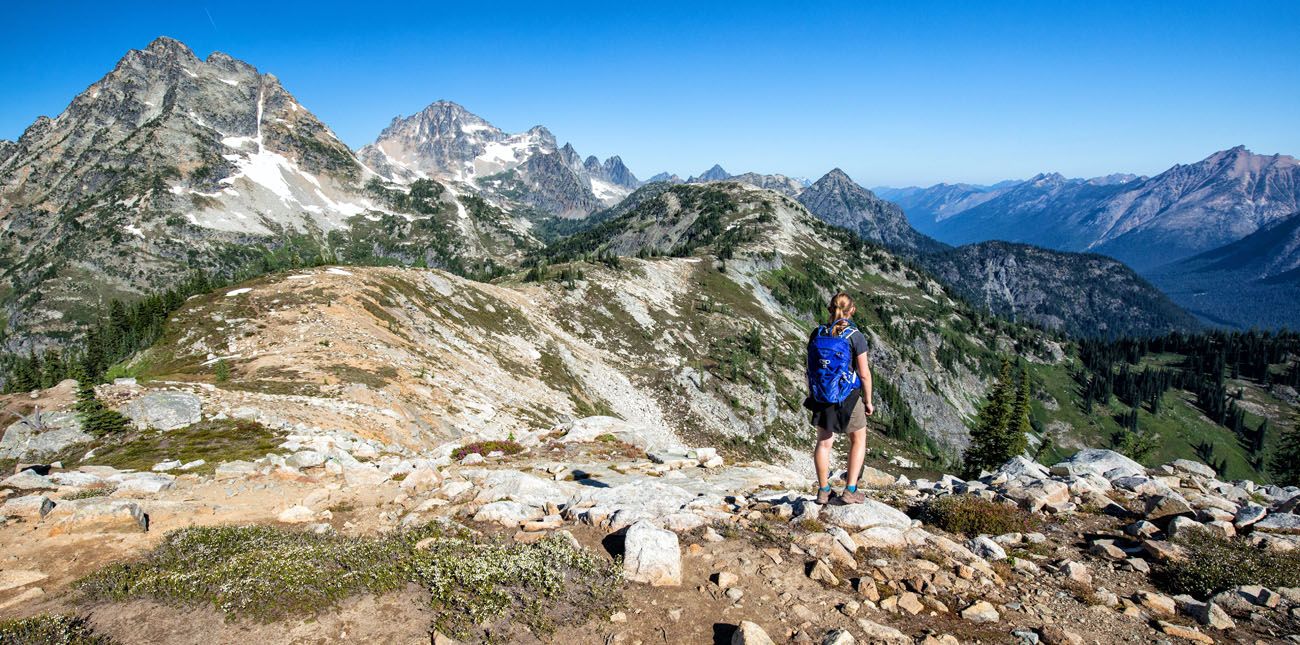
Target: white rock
{"type": "Point", "coordinates": [868, 514]}
{"type": "Point", "coordinates": [987, 549]}
{"type": "Point", "coordinates": [28, 480]}
{"type": "Point", "coordinates": [508, 513]}
{"type": "Point", "coordinates": [143, 482]}
{"type": "Point", "coordinates": [305, 459]}
{"type": "Point", "coordinates": [164, 466]}
{"type": "Point", "coordinates": [877, 633]}
{"type": "Point", "coordinates": [652, 555]}
{"type": "Point", "coordinates": [296, 515]}
{"type": "Point", "coordinates": [238, 468]}
{"type": "Point", "coordinates": [750, 634]}
{"type": "Point", "coordinates": [1107, 463]}
{"type": "Point", "coordinates": [76, 479]}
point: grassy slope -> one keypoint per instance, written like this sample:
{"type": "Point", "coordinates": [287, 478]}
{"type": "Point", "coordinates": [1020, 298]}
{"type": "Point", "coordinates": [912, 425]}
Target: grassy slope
{"type": "Point", "coordinates": [1180, 425]}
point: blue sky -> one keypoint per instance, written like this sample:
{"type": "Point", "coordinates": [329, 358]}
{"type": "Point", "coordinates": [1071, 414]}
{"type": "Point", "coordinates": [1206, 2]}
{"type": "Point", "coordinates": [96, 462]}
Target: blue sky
{"type": "Point", "coordinates": [893, 93]}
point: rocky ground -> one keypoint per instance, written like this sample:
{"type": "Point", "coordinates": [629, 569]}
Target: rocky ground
{"type": "Point", "coordinates": [708, 551]}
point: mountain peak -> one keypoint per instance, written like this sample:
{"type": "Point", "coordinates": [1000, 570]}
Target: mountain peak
{"type": "Point", "coordinates": [836, 176]}
{"type": "Point", "coordinates": [168, 45]}
{"type": "Point", "coordinates": [716, 173]}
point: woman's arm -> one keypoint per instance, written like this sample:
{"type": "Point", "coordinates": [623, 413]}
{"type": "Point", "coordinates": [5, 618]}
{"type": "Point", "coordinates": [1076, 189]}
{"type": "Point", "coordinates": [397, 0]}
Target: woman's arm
{"type": "Point", "coordinates": [864, 372]}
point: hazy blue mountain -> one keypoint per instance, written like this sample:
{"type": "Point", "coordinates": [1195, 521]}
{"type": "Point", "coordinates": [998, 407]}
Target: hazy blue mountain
{"type": "Point", "coordinates": [1145, 222]}
{"type": "Point", "coordinates": [1253, 282]}
{"type": "Point", "coordinates": [838, 200]}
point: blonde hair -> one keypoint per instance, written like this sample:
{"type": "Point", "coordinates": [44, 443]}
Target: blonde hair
{"type": "Point", "coordinates": [841, 308]}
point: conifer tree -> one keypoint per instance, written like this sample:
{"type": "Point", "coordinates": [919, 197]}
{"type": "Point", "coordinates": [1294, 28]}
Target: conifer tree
{"type": "Point", "coordinates": [988, 440]}
{"type": "Point", "coordinates": [1285, 464]}
{"type": "Point", "coordinates": [1019, 425]}
{"type": "Point", "coordinates": [97, 419]}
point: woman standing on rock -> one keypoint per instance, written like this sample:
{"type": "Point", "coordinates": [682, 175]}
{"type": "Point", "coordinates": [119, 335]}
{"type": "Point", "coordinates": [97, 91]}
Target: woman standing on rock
{"type": "Point", "coordinates": [839, 385]}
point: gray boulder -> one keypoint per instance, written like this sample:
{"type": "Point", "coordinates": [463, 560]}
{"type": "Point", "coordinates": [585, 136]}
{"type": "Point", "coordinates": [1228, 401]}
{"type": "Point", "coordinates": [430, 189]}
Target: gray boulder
{"type": "Point", "coordinates": [46, 433]}
{"type": "Point", "coordinates": [987, 549]}
{"type": "Point", "coordinates": [1098, 461]}
{"type": "Point", "coordinates": [1193, 468]}
{"type": "Point", "coordinates": [868, 514]}
{"type": "Point", "coordinates": [98, 515]}
{"type": "Point", "coordinates": [1279, 523]}
{"type": "Point", "coordinates": [28, 480]}
{"type": "Point", "coordinates": [164, 410]}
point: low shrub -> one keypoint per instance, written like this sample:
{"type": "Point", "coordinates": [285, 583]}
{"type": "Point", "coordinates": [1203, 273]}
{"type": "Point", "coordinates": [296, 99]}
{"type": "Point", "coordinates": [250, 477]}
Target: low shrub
{"type": "Point", "coordinates": [487, 447]}
{"type": "Point", "coordinates": [972, 516]}
{"type": "Point", "coordinates": [50, 629]}
{"type": "Point", "coordinates": [88, 493]}
{"type": "Point", "coordinates": [267, 573]}
{"type": "Point", "coordinates": [1215, 563]}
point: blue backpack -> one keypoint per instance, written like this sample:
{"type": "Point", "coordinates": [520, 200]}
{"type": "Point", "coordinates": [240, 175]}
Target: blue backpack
{"type": "Point", "coordinates": [832, 376]}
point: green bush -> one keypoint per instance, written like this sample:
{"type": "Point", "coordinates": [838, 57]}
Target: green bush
{"type": "Point", "coordinates": [972, 516]}
{"type": "Point", "coordinates": [221, 370]}
{"type": "Point", "coordinates": [50, 629]}
{"type": "Point", "coordinates": [267, 573]}
{"type": "Point", "coordinates": [486, 447]}
{"type": "Point", "coordinates": [1216, 563]}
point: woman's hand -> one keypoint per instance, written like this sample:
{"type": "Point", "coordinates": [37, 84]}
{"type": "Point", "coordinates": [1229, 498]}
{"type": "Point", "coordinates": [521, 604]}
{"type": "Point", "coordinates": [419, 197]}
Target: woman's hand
{"type": "Point", "coordinates": [871, 409]}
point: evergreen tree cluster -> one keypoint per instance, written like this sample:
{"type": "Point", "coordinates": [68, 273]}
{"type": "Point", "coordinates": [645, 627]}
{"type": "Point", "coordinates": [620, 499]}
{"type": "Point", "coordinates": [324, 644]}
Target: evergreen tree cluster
{"type": "Point", "coordinates": [1002, 428]}
{"type": "Point", "coordinates": [126, 329]}
{"type": "Point", "coordinates": [1207, 361]}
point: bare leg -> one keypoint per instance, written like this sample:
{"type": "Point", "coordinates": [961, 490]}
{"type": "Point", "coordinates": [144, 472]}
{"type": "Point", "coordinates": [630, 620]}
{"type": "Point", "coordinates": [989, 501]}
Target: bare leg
{"type": "Point", "coordinates": [822, 457]}
{"type": "Point", "coordinates": [857, 454]}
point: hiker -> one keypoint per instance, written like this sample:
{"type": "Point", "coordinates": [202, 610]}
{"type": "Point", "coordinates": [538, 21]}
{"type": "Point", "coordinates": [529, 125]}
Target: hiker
{"type": "Point", "coordinates": [839, 384]}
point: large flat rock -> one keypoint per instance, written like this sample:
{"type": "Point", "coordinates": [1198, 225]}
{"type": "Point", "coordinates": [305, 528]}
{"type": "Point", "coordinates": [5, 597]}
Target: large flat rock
{"type": "Point", "coordinates": [46, 434]}
{"type": "Point", "coordinates": [164, 410]}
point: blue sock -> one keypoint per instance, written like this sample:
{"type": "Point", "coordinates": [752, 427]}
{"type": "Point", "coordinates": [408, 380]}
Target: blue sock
{"type": "Point", "coordinates": [826, 487]}
{"type": "Point", "coordinates": [851, 489]}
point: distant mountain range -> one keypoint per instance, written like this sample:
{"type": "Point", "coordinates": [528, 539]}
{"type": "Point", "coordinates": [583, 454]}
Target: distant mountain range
{"type": "Point", "coordinates": [1144, 222]}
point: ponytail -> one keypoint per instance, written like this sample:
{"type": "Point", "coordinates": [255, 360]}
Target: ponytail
{"type": "Point", "coordinates": [841, 308]}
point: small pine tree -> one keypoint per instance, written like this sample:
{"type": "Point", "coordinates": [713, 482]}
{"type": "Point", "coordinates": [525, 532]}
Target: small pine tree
{"type": "Point", "coordinates": [988, 440]}
{"type": "Point", "coordinates": [1019, 425]}
{"type": "Point", "coordinates": [97, 419]}
{"type": "Point", "coordinates": [221, 369]}
{"type": "Point", "coordinates": [1285, 464]}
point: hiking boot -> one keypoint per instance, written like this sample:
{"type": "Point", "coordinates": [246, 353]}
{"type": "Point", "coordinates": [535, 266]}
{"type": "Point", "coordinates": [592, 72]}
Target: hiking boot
{"type": "Point", "coordinates": [853, 497]}
{"type": "Point", "coordinates": [823, 496]}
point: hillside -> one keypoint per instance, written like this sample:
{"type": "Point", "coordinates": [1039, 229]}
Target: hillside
{"type": "Point", "coordinates": [1083, 295]}
{"type": "Point", "coordinates": [1251, 283]}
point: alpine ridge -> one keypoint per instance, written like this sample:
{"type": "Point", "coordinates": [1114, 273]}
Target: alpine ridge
{"type": "Point", "coordinates": [448, 143]}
